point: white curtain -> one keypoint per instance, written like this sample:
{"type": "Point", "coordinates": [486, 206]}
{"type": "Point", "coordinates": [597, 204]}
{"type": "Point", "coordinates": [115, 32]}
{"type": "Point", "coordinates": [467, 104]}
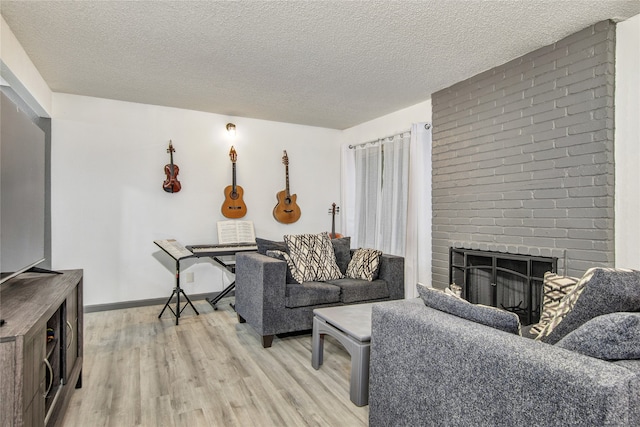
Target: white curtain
{"type": "Point", "coordinates": [387, 195]}
{"type": "Point", "coordinates": [368, 162]}
{"type": "Point", "coordinates": [417, 265]}
{"type": "Point", "coordinates": [381, 185]}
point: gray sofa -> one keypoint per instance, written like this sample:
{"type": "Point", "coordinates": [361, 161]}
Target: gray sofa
{"type": "Point", "coordinates": [432, 368]}
{"type": "Point", "coordinates": [272, 306]}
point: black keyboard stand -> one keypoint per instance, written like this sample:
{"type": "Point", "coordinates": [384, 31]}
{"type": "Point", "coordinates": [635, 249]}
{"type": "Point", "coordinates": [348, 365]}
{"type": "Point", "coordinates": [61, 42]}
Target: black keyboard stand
{"type": "Point", "coordinates": [231, 268]}
{"type": "Point", "coordinates": [179, 252]}
{"type": "Point", "coordinates": [213, 252]}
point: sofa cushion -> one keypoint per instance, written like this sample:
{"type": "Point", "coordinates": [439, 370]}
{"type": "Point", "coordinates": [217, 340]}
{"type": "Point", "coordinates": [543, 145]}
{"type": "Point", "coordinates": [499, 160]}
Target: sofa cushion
{"type": "Point", "coordinates": [555, 287]}
{"type": "Point", "coordinates": [614, 336]}
{"type": "Point", "coordinates": [313, 257]}
{"type": "Point", "coordinates": [357, 290]}
{"type": "Point", "coordinates": [311, 293]}
{"type": "Point", "coordinates": [600, 291]}
{"type": "Point", "coordinates": [342, 249]}
{"type": "Point", "coordinates": [364, 264]}
{"type": "Point", "coordinates": [485, 315]}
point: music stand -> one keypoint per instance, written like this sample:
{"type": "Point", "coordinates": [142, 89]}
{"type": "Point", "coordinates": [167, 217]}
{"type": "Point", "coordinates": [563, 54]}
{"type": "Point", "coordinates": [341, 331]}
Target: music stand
{"type": "Point", "coordinates": [178, 252]}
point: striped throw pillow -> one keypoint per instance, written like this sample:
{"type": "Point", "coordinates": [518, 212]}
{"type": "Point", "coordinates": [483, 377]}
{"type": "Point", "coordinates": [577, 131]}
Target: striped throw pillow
{"type": "Point", "coordinates": [555, 287]}
{"type": "Point", "coordinates": [312, 257]}
{"type": "Point", "coordinates": [566, 304]}
{"type": "Point", "coordinates": [364, 264]}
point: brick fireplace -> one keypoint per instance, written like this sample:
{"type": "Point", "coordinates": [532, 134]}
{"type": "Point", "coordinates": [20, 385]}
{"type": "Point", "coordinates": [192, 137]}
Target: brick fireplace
{"type": "Point", "coordinates": [523, 157]}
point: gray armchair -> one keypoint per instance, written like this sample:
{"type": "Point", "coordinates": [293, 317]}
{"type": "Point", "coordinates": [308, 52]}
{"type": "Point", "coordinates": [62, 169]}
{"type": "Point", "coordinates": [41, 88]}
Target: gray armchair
{"type": "Point", "coordinates": [430, 368]}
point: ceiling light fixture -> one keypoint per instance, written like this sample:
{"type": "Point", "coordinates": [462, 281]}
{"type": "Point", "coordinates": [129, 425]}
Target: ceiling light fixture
{"type": "Point", "coordinates": [231, 130]}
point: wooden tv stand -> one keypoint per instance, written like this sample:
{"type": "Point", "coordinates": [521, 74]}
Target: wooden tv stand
{"type": "Point", "coordinates": [40, 347]}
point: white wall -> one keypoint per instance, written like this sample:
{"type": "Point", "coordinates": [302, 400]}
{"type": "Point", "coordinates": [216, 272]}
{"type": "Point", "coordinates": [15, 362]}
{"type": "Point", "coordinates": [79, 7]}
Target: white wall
{"type": "Point", "coordinates": [108, 205]}
{"type": "Point", "coordinates": [627, 144]}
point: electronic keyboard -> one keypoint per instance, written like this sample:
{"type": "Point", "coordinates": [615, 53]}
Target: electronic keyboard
{"type": "Point", "coordinates": [222, 249]}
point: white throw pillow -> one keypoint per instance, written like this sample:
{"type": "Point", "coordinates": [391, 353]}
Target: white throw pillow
{"type": "Point", "coordinates": [555, 288]}
{"type": "Point", "coordinates": [364, 264]}
{"type": "Point", "coordinates": [312, 256]}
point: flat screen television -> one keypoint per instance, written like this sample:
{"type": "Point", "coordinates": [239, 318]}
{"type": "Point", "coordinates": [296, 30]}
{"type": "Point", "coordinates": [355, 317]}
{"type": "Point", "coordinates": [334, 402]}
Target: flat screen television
{"type": "Point", "coordinates": [22, 191]}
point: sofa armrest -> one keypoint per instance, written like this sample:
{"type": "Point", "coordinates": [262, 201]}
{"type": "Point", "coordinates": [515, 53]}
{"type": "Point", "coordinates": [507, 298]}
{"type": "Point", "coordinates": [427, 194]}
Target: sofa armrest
{"type": "Point", "coordinates": [432, 368]}
{"type": "Point", "coordinates": [260, 290]}
{"type": "Point", "coordinates": [392, 271]}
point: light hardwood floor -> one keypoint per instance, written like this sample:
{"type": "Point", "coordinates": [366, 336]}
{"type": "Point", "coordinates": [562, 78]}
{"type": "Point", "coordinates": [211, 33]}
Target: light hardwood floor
{"type": "Point", "coordinates": [208, 371]}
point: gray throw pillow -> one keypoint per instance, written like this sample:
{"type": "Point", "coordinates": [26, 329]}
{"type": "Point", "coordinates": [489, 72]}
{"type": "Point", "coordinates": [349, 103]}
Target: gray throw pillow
{"type": "Point", "coordinates": [485, 315]}
{"type": "Point", "coordinates": [614, 336]}
{"type": "Point", "coordinates": [342, 249]}
{"type": "Point", "coordinates": [600, 291]}
{"type": "Point", "coordinates": [265, 245]}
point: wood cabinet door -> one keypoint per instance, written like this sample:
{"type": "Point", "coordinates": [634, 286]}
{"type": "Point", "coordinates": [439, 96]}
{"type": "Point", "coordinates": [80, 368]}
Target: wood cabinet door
{"type": "Point", "coordinates": [34, 374]}
{"type": "Point", "coordinates": [7, 383]}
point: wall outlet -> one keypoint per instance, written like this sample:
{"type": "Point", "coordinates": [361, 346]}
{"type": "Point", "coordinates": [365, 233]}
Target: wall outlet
{"type": "Point", "coordinates": [190, 277]}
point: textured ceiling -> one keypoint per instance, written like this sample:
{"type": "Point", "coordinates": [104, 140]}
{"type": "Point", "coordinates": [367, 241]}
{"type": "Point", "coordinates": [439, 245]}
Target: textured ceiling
{"type": "Point", "coordinates": [331, 64]}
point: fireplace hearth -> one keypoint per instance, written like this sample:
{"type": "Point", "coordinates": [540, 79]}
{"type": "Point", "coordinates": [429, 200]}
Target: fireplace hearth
{"type": "Point", "coordinates": [509, 281]}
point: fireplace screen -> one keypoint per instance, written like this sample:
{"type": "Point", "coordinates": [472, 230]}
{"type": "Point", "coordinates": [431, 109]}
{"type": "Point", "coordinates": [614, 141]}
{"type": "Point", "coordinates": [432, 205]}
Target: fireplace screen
{"type": "Point", "coordinates": [508, 281]}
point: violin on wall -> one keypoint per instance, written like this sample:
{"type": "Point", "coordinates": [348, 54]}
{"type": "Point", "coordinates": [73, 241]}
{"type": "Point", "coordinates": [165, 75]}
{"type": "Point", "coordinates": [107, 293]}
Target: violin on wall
{"type": "Point", "coordinates": [171, 184]}
{"type": "Point", "coordinates": [333, 211]}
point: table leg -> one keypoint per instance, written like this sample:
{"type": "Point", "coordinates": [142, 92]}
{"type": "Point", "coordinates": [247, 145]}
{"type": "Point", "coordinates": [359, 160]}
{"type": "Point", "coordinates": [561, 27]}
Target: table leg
{"type": "Point", "coordinates": [358, 350]}
{"type": "Point", "coordinates": [317, 344]}
{"type": "Point", "coordinates": [359, 384]}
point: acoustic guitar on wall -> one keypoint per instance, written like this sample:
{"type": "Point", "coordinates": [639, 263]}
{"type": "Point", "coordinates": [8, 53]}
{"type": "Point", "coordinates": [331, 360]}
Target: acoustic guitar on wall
{"type": "Point", "coordinates": [233, 205]}
{"type": "Point", "coordinates": [333, 211]}
{"type": "Point", "coordinates": [286, 211]}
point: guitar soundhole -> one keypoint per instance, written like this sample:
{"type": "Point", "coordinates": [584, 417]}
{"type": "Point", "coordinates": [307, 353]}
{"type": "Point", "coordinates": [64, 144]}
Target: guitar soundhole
{"type": "Point", "coordinates": [233, 195]}
{"type": "Point", "coordinates": [287, 200]}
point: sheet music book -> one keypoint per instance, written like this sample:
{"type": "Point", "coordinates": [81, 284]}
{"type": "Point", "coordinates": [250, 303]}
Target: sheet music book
{"type": "Point", "coordinates": [173, 248]}
{"type": "Point", "coordinates": [236, 232]}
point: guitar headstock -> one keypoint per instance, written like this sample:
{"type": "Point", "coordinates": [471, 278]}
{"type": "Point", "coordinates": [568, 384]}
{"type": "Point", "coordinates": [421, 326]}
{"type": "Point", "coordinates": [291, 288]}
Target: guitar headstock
{"type": "Point", "coordinates": [233, 155]}
{"type": "Point", "coordinates": [170, 149]}
{"type": "Point", "coordinates": [285, 159]}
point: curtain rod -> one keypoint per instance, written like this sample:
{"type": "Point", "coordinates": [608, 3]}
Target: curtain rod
{"type": "Point", "coordinates": [375, 141]}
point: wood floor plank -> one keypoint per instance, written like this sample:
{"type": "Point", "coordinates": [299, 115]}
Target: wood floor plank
{"type": "Point", "coordinates": [209, 370]}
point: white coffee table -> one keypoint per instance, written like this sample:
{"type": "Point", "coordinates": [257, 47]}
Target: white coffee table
{"type": "Point", "coordinates": [351, 326]}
